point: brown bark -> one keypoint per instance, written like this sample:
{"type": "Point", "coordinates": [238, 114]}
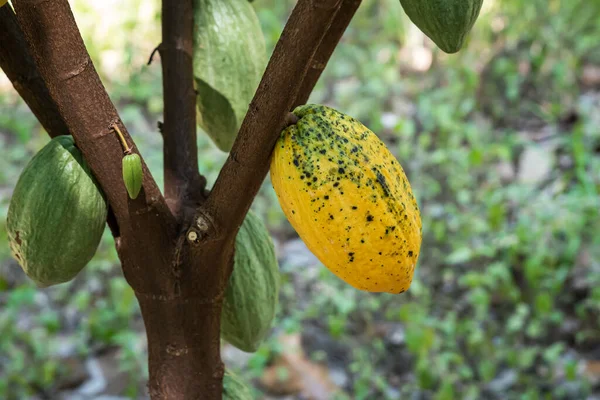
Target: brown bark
{"type": "Point", "coordinates": [249, 159]}
{"type": "Point", "coordinates": [180, 371]}
{"type": "Point", "coordinates": [146, 224]}
{"type": "Point", "coordinates": [19, 67]}
{"type": "Point", "coordinates": [179, 282]}
{"type": "Point", "coordinates": [180, 296]}
{"type": "Point", "coordinates": [183, 183]}
{"type": "Point", "coordinates": [330, 41]}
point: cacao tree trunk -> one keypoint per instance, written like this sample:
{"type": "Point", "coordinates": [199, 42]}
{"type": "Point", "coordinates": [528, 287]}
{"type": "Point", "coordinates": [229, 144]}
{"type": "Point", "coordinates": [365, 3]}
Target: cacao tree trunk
{"type": "Point", "coordinates": [179, 283]}
{"type": "Point", "coordinates": [181, 308]}
{"type": "Point", "coordinates": [183, 342]}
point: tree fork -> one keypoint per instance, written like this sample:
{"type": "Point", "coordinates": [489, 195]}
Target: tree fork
{"type": "Point", "coordinates": [179, 282]}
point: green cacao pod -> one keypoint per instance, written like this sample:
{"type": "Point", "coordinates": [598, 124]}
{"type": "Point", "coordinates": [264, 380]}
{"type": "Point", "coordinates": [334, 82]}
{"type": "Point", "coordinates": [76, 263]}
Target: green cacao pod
{"type": "Point", "coordinates": [348, 198]}
{"type": "Point", "coordinates": [446, 22]}
{"type": "Point", "coordinates": [253, 289]}
{"type": "Point", "coordinates": [56, 215]}
{"type": "Point", "coordinates": [132, 174]}
{"type": "Point", "coordinates": [229, 59]}
{"type": "Point", "coordinates": [234, 388]}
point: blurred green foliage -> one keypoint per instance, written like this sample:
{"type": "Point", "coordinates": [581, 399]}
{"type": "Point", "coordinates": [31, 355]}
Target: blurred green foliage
{"type": "Point", "coordinates": [505, 303]}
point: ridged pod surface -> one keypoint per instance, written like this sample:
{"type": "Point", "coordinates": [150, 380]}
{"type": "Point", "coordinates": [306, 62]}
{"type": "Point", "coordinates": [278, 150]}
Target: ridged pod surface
{"type": "Point", "coordinates": [56, 215]}
{"type": "Point", "coordinates": [234, 388]}
{"type": "Point", "coordinates": [229, 59]}
{"type": "Point", "coordinates": [253, 289]}
{"type": "Point", "coordinates": [348, 198]}
{"type": "Point", "coordinates": [132, 174]}
{"type": "Point", "coordinates": [446, 22]}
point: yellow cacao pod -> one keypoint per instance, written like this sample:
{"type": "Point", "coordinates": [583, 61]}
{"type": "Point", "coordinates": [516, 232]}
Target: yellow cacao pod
{"type": "Point", "coordinates": [348, 198]}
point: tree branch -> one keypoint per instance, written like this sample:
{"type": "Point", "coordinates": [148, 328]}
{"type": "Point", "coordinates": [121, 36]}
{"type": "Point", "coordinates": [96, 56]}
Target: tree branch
{"type": "Point", "coordinates": [183, 183]}
{"type": "Point", "coordinates": [326, 48]}
{"type": "Point", "coordinates": [249, 159]}
{"type": "Point", "coordinates": [146, 225]}
{"type": "Point", "coordinates": [18, 65]}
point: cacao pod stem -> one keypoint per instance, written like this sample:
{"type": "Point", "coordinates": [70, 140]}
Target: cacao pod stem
{"type": "Point", "coordinates": [126, 148]}
{"type": "Point", "coordinates": [133, 172]}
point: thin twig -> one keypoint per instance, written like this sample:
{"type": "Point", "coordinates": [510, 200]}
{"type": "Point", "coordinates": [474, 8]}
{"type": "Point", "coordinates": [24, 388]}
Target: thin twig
{"type": "Point", "coordinates": [151, 58]}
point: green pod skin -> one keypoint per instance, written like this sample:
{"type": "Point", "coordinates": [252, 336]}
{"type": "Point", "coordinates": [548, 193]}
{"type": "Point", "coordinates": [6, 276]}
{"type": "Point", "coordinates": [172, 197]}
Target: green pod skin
{"type": "Point", "coordinates": [229, 60]}
{"type": "Point", "coordinates": [446, 22]}
{"type": "Point", "coordinates": [56, 215]}
{"type": "Point", "coordinates": [234, 388]}
{"type": "Point", "coordinates": [253, 289]}
{"type": "Point", "coordinates": [133, 174]}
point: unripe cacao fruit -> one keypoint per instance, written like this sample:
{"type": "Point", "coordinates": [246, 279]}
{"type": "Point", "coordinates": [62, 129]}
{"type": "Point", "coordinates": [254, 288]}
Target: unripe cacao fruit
{"type": "Point", "coordinates": [252, 292]}
{"type": "Point", "coordinates": [348, 198]}
{"type": "Point", "coordinates": [229, 59]}
{"type": "Point", "coordinates": [56, 215]}
{"type": "Point", "coordinates": [132, 174]}
{"type": "Point", "coordinates": [446, 22]}
{"type": "Point", "coordinates": [234, 388]}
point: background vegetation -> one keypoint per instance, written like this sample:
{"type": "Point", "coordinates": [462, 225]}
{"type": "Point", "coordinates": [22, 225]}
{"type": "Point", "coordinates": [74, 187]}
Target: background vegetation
{"type": "Point", "coordinates": [502, 146]}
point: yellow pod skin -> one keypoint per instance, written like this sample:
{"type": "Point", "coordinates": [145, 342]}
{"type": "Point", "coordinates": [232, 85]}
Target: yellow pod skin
{"type": "Point", "coordinates": [348, 199]}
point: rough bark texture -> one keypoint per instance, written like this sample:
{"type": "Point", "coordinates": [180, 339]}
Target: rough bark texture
{"type": "Point", "coordinates": [326, 48]}
{"type": "Point", "coordinates": [179, 370]}
{"type": "Point", "coordinates": [145, 225]}
{"type": "Point", "coordinates": [18, 64]}
{"type": "Point", "coordinates": [179, 278]}
{"type": "Point", "coordinates": [19, 67]}
{"type": "Point", "coordinates": [248, 161]}
{"type": "Point", "coordinates": [183, 183]}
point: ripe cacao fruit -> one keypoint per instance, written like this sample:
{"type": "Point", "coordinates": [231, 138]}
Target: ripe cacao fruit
{"type": "Point", "coordinates": [229, 58]}
{"type": "Point", "coordinates": [56, 215]}
{"type": "Point", "coordinates": [446, 22]}
{"type": "Point", "coordinates": [234, 388]}
{"type": "Point", "coordinates": [348, 198]}
{"type": "Point", "coordinates": [252, 292]}
{"type": "Point", "coordinates": [132, 174]}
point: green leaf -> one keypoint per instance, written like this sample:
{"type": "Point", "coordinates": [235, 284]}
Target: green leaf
{"type": "Point", "coordinates": [229, 59]}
